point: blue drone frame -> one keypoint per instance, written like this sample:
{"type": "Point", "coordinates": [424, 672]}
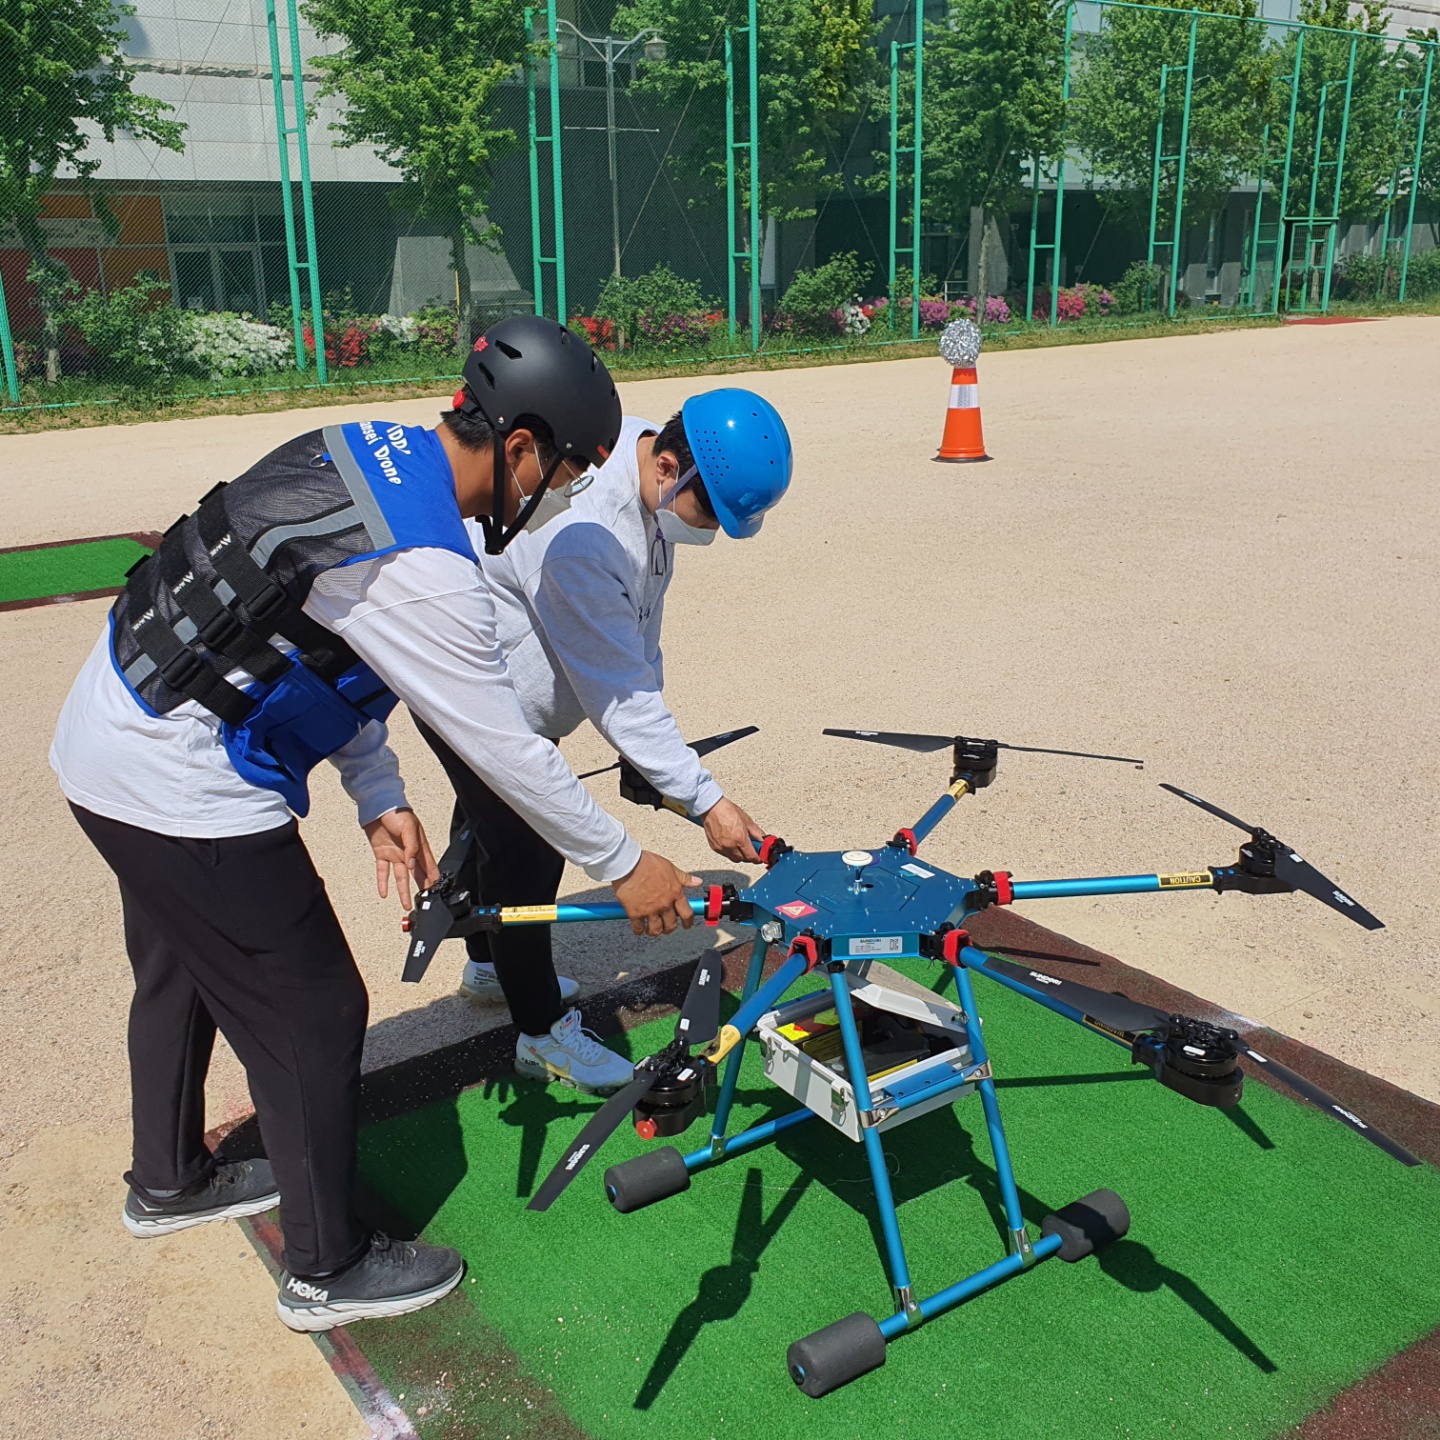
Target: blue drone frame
{"type": "Point", "coordinates": [838, 911]}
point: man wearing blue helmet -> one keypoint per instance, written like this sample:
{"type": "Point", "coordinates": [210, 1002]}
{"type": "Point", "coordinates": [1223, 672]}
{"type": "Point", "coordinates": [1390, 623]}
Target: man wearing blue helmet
{"type": "Point", "coordinates": [579, 607]}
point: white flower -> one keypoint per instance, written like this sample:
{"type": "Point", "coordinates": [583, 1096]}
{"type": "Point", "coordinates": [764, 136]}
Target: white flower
{"type": "Point", "coordinates": [855, 320]}
{"type": "Point", "coordinates": [402, 327]}
{"type": "Point", "coordinates": [231, 345]}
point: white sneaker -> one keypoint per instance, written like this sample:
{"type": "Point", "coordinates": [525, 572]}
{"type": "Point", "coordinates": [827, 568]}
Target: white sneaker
{"type": "Point", "coordinates": [573, 1056]}
{"type": "Point", "coordinates": [480, 982]}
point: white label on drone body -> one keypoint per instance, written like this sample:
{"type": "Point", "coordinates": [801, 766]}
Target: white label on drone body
{"type": "Point", "coordinates": [919, 872]}
{"type": "Point", "coordinates": [877, 945]}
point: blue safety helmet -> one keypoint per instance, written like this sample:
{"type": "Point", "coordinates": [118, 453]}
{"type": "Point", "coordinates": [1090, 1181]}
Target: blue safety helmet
{"type": "Point", "coordinates": [742, 451]}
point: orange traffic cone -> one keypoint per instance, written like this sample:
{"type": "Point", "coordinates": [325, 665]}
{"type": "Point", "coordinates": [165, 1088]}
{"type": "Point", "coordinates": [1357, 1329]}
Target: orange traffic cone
{"type": "Point", "coordinates": [962, 441]}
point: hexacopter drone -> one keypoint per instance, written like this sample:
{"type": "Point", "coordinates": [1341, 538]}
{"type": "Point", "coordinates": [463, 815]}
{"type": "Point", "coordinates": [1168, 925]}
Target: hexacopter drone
{"type": "Point", "coordinates": [863, 1057]}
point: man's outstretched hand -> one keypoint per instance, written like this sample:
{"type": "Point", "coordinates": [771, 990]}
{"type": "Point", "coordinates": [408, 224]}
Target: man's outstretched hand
{"type": "Point", "coordinates": [398, 840]}
{"type": "Point", "coordinates": [654, 897]}
{"type": "Point", "coordinates": [730, 832]}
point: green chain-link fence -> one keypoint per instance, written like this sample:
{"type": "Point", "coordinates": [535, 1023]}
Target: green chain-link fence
{"type": "Point", "coordinates": [202, 196]}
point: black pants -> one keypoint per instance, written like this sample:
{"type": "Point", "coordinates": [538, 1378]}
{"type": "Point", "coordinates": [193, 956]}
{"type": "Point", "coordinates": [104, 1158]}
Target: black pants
{"type": "Point", "coordinates": [514, 866]}
{"type": "Point", "coordinates": [238, 934]}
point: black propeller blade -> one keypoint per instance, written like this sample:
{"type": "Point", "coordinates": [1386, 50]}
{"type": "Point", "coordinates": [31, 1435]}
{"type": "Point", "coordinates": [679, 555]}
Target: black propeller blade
{"type": "Point", "coordinates": [928, 744]}
{"type": "Point", "coordinates": [700, 747]}
{"type": "Point", "coordinates": [1119, 1013]}
{"type": "Point", "coordinates": [1289, 868]}
{"type": "Point", "coordinates": [430, 921]}
{"type": "Point", "coordinates": [699, 1020]}
{"type": "Point", "coordinates": [600, 1127]}
{"type": "Point", "coordinates": [698, 1024]}
{"type": "Point", "coordinates": [1115, 1012]}
{"type": "Point", "coordinates": [1323, 1100]}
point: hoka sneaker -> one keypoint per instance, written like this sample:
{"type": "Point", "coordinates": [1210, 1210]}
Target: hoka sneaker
{"type": "Point", "coordinates": [480, 982]}
{"type": "Point", "coordinates": [391, 1278]}
{"type": "Point", "coordinates": [232, 1189]}
{"type": "Point", "coordinates": [573, 1056]}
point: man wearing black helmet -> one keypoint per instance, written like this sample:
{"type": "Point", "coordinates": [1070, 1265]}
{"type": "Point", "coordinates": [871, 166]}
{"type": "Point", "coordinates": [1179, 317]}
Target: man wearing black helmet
{"type": "Point", "coordinates": [273, 628]}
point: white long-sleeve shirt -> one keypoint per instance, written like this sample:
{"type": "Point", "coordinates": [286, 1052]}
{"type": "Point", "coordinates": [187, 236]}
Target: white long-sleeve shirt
{"type": "Point", "coordinates": [424, 621]}
{"type": "Point", "coordinates": [579, 605]}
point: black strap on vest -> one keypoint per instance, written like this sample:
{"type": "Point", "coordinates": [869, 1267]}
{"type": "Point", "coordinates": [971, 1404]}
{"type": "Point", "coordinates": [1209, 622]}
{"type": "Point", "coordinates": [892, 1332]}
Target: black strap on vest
{"type": "Point", "coordinates": [180, 667]}
{"type": "Point", "coordinates": [217, 627]}
{"type": "Point", "coordinates": [265, 601]}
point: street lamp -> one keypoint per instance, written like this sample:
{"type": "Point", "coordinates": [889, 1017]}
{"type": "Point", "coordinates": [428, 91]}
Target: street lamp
{"type": "Point", "coordinates": [610, 49]}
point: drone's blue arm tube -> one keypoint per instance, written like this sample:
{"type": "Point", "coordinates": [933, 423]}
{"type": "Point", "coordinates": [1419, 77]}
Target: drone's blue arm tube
{"type": "Point", "coordinates": [569, 914]}
{"type": "Point", "coordinates": [1111, 885]}
{"type": "Point", "coordinates": [973, 959]}
{"type": "Point", "coordinates": [733, 1034]}
{"type": "Point", "coordinates": [939, 810]}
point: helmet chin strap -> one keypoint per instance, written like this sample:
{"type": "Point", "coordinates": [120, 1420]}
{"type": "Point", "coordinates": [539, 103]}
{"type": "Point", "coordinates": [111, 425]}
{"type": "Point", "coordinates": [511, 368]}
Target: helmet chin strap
{"type": "Point", "coordinates": [497, 536]}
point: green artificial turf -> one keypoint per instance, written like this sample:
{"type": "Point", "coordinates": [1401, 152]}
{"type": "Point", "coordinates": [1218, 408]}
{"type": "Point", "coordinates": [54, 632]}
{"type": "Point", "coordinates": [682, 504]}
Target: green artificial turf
{"type": "Point", "coordinates": [1273, 1259]}
{"type": "Point", "coordinates": [67, 569]}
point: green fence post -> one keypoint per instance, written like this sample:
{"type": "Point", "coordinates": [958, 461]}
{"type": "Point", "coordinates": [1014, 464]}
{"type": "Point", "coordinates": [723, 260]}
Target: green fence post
{"type": "Point", "coordinates": [754, 56]}
{"type": "Point", "coordinates": [1254, 267]}
{"type": "Point", "coordinates": [1155, 169]}
{"type": "Point", "coordinates": [1034, 231]}
{"type": "Point", "coordinates": [282, 136]}
{"type": "Point", "coordinates": [1060, 168]}
{"type": "Point", "coordinates": [1180, 178]}
{"type": "Point", "coordinates": [894, 173]}
{"type": "Point", "coordinates": [557, 178]}
{"type": "Point", "coordinates": [730, 255]}
{"type": "Point", "coordinates": [307, 200]}
{"type": "Point", "coordinates": [1285, 177]}
{"type": "Point", "coordinates": [919, 150]}
{"type": "Point", "coordinates": [537, 262]}
{"type": "Point", "coordinates": [1339, 179]}
{"type": "Point", "coordinates": [1393, 187]}
{"type": "Point", "coordinates": [7, 350]}
{"type": "Point", "coordinates": [1415, 171]}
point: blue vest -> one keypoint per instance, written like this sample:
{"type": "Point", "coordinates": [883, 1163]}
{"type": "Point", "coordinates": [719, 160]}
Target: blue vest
{"type": "Point", "coordinates": [228, 579]}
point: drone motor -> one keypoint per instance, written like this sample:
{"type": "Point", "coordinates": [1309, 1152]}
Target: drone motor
{"type": "Point", "coordinates": [675, 1101]}
{"type": "Point", "coordinates": [1195, 1059]}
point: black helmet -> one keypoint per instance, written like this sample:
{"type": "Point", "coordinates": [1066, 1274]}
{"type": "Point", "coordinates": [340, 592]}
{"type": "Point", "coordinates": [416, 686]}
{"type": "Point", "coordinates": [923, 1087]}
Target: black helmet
{"type": "Point", "coordinates": [527, 368]}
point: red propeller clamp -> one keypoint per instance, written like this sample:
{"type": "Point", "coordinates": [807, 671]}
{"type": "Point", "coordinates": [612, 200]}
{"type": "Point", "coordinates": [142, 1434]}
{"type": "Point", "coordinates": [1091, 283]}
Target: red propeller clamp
{"type": "Point", "coordinates": [772, 847]}
{"type": "Point", "coordinates": [805, 945]}
{"type": "Point", "coordinates": [645, 1129]}
{"type": "Point", "coordinates": [951, 944]}
{"type": "Point", "coordinates": [907, 839]}
{"type": "Point", "coordinates": [714, 904]}
{"type": "Point", "coordinates": [1004, 890]}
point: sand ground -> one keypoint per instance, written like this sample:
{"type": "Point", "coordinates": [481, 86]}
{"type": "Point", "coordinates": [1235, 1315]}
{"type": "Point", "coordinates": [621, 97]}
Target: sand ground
{"type": "Point", "coordinates": [1217, 552]}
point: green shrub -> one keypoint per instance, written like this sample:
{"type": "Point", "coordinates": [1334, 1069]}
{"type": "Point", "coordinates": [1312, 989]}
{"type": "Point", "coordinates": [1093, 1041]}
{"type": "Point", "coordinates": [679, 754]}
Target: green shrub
{"type": "Point", "coordinates": [1138, 289]}
{"type": "Point", "coordinates": [1364, 277]}
{"type": "Point", "coordinates": [1423, 278]}
{"type": "Point", "coordinates": [139, 338]}
{"type": "Point", "coordinates": [815, 296]}
{"type": "Point", "coordinates": [640, 306]}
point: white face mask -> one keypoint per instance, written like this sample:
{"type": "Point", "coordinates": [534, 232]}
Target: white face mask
{"type": "Point", "coordinates": [553, 503]}
{"type": "Point", "coordinates": [677, 532]}
{"type": "Point", "coordinates": [671, 527]}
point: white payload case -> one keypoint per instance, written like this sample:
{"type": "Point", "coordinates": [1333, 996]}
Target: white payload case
{"type": "Point", "coordinates": [829, 1094]}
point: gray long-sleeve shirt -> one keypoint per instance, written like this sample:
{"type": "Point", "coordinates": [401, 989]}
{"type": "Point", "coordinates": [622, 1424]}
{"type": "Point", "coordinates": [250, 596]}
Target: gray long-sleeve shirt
{"type": "Point", "coordinates": [578, 610]}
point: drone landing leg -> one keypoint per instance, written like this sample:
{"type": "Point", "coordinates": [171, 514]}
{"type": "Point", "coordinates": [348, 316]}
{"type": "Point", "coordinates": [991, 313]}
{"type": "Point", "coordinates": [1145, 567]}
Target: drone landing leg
{"type": "Point", "coordinates": [874, 1151]}
{"type": "Point", "coordinates": [1014, 1220]}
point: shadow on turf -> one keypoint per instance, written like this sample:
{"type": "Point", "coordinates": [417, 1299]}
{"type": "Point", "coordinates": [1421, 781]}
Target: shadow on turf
{"type": "Point", "coordinates": [723, 1290]}
{"type": "Point", "coordinates": [938, 1150]}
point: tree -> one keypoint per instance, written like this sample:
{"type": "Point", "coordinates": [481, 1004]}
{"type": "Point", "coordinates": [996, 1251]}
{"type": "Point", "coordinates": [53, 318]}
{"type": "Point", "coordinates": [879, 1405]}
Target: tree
{"type": "Point", "coordinates": [1116, 105]}
{"type": "Point", "coordinates": [1371, 149]}
{"type": "Point", "coordinates": [417, 78]}
{"type": "Point", "coordinates": [816, 66]}
{"type": "Point", "coordinates": [62, 77]}
{"type": "Point", "coordinates": [1410, 66]}
{"type": "Point", "coordinates": [992, 102]}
